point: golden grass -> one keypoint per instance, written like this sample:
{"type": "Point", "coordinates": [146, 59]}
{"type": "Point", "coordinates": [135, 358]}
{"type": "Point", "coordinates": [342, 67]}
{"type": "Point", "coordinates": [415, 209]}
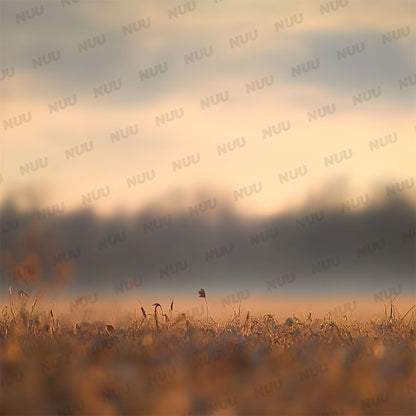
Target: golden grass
{"type": "Point", "coordinates": [165, 363]}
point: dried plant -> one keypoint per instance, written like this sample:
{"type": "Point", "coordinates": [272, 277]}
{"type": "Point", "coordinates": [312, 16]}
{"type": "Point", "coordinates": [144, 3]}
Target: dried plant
{"type": "Point", "coordinates": [137, 369]}
{"type": "Point", "coordinates": [202, 294]}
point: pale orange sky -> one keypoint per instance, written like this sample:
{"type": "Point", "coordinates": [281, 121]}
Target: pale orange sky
{"type": "Point", "coordinates": [167, 40]}
{"type": "Point", "coordinates": [220, 307]}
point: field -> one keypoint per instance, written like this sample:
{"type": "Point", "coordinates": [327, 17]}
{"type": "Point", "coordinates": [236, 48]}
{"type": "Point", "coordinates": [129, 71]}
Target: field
{"type": "Point", "coordinates": [166, 363]}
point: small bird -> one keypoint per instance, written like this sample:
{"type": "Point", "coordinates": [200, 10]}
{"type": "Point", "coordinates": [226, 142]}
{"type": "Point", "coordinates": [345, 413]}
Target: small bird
{"type": "Point", "coordinates": [201, 293]}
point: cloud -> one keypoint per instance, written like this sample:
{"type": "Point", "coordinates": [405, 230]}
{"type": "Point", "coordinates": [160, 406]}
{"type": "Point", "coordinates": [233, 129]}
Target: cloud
{"type": "Point", "coordinates": [168, 40]}
{"type": "Point", "coordinates": [272, 55]}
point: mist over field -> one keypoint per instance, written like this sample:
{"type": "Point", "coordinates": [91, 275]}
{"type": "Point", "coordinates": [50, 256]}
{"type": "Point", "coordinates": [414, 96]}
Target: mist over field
{"type": "Point", "coordinates": [356, 247]}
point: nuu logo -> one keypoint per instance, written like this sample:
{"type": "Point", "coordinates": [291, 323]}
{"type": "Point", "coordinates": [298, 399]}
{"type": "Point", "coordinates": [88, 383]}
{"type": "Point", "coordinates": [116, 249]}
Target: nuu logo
{"type": "Point", "coordinates": [161, 376]}
{"type": "Point", "coordinates": [218, 405]}
{"type": "Point", "coordinates": [220, 97]}
{"type": "Point", "coordinates": [310, 219]}
{"type": "Point", "coordinates": [46, 59]}
{"type": "Point", "coordinates": [321, 112]}
{"type": "Point", "coordinates": [198, 55]}
{"type": "Point", "coordinates": [7, 73]}
{"type": "Point", "coordinates": [51, 211]}
{"type": "Point", "coordinates": [259, 84]}
{"type": "Point", "coordinates": [267, 388]}
{"type": "Point", "coordinates": [141, 178]}
{"type": "Point", "coordinates": [305, 67]}
{"type": "Point", "coordinates": [313, 371]}
{"type": "Point", "coordinates": [79, 149]}
{"type": "Point", "coordinates": [34, 166]}
{"type": "Point", "coordinates": [182, 9]}
{"type": "Point", "coordinates": [169, 116]}
{"type": "Point", "coordinates": [185, 162]}
{"type": "Point", "coordinates": [128, 285]}
{"type": "Point", "coordinates": [243, 39]}
{"type": "Point", "coordinates": [293, 174]}
{"type": "Point", "coordinates": [276, 129]}
{"type": "Point", "coordinates": [157, 223]}
{"type": "Point", "coordinates": [218, 252]}
{"type": "Point", "coordinates": [66, 256]}
{"type": "Point", "coordinates": [62, 104]}
{"type": "Point", "coordinates": [128, 131]}
{"type": "Point", "coordinates": [264, 236]}
{"type": "Point", "coordinates": [91, 43]}
{"type": "Point", "coordinates": [231, 145]}
{"type": "Point", "coordinates": [136, 26]}
{"type": "Point", "coordinates": [341, 310]}
{"type": "Point", "coordinates": [371, 248]}
{"type": "Point", "coordinates": [395, 34]}
{"type": "Point", "coordinates": [333, 6]}
{"type": "Point", "coordinates": [12, 376]}
{"type": "Point", "coordinates": [337, 157]}
{"type": "Point", "coordinates": [81, 303]}
{"type": "Point", "coordinates": [202, 207]}
{"type": "Point", "coordinates": [96, 195]}
{"type": "Point", "coordinates": [383, 141]}
{"type": "Point", "coordinates": [355, 203]}
{"type": "Point", "coordinates": [153, 71]}
{"type": "Point", "coordinates": [404, 82]}
{"type": "Point", "coordinates": [112, 240]}
{"type": "Point", "coordinates": [368, 95]}
{"type": "Point", "coordinates": [409, 235]}
{"type": "Point", "coordinates": [17, 121]}
{"type": "Point", "coordinates": [288, 22]}
{"type": "Point", "coordinates": [9, 225]}
{"type": "Point", "coordinates": [375, 401]}
{"type": "Point", "coordinates": [388, 294]}
{"type": "Point", "coordinates": [248, 190]}
{"type": "Point", "coordinates": [350, 50]}
{"type": "Point", "coordinates": [236, 297]}
{"type": "Point", "coordinates": [281, 280]}
{"type": "Point", "coordinates": [173, 268]}
{"type": "Point", "coordinates": [325, 264]}
{"type": "Point", "coordinates": [398, 187]}
{"type": "Point", "coordinates": [24, 272]}
{"type": "Point", "coordinates": [107, 88]}
{"type": "Point", "coordinates": [30, 13]}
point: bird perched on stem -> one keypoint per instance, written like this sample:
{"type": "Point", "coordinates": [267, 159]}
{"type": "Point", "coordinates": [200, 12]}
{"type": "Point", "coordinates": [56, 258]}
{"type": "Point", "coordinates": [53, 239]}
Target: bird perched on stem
{"type": "Point", "coordinates": [202, 294]}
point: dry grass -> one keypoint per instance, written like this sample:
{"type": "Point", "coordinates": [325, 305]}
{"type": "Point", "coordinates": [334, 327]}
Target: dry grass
{"type": "Point", "coordinates": [166, 364]}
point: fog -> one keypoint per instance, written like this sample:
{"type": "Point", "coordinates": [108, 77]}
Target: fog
{"type": "Point", "coordinates": [358, 247]}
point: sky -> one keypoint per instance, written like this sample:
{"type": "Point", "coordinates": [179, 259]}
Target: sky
{"type": "Point", "coordinates": [56, 57]}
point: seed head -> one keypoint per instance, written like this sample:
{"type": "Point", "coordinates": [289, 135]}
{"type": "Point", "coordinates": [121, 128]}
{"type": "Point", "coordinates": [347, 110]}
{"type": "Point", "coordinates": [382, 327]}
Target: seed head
{"type": "Point", "coordinates": [109, 329]}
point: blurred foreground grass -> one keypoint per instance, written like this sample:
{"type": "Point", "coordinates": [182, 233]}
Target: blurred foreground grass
{"type": "Point", "coordinates": [167, 364]}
